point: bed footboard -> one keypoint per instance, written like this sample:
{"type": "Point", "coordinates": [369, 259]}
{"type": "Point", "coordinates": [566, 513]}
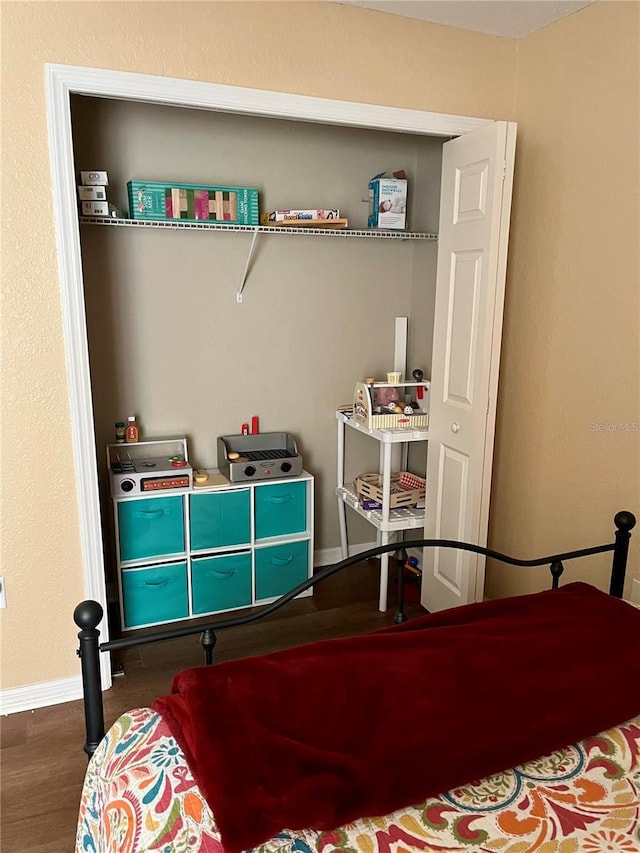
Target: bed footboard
{"type": "Point", "coordinates": [88, 614]}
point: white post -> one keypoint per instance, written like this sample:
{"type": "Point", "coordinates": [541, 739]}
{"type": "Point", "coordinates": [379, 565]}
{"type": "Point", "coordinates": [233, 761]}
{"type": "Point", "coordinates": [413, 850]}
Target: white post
{"type": "Point", "coordinates": [400, 346]}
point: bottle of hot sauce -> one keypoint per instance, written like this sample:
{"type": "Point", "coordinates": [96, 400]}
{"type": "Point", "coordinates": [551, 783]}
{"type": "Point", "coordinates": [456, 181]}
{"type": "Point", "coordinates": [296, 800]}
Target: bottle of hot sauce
{"type": "Point", "coordinates": [133, 431]}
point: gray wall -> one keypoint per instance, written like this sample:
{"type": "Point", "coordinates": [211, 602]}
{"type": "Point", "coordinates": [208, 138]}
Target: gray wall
{"type": "Point", "coordinates": [167, 340]}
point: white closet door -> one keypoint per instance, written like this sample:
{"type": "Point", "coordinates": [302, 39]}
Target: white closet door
{"type": "Point", "coordinates": [477, 178]}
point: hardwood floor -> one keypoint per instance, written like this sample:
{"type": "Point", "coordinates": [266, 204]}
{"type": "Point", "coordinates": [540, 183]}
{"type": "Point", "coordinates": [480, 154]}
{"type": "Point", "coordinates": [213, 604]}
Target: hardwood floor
{"type": "Point", "coordinates": [43, 764]}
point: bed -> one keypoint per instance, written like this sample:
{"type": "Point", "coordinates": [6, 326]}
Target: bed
{"type": "Point", "coordinates": [510, 726]}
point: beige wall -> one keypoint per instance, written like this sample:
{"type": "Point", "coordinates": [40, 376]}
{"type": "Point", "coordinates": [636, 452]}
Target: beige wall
{"type": "Point", "coordinates": [571, 350]}
{"type": "Point", "coordinates": [315, 49]}
{"type": "Point", "coordinates": [549, 353]}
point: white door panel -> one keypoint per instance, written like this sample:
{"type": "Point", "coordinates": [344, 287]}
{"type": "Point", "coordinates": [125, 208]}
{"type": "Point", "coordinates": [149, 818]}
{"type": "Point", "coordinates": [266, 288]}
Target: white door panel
{"type": "Point", "coordinates": [462, 329]}
{"type": "Point", "coordinates": [450, 568]}
{"type": "Point", "coordinates": [470, 193]}
{"type": "Point", "coordinates": [477, 178]}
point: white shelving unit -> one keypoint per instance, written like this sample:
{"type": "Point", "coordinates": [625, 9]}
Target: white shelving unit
{"type": "Point", "coordinates": [257, 230]}
{"type": "Point", "coordinates": [261, 229]}
{"type": "Point", "coordinates": [386, 521]}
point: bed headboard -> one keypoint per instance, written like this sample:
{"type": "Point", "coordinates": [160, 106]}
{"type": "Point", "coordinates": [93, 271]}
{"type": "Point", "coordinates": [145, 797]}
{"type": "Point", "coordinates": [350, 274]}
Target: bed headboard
{"type": "Point", "coordinates": [88, 614]}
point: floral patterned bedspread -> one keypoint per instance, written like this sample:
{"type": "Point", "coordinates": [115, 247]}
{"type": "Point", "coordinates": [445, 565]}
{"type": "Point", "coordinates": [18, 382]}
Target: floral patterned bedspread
{"type": "Point", "coordinates": [139, 797]}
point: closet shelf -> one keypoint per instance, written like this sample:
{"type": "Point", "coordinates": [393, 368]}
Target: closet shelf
{"type": "Point", "coordinates": [261, 229]}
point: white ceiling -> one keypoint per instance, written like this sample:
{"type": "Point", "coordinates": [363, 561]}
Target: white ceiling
{"type": "Point", "coordinates": [509, 18]}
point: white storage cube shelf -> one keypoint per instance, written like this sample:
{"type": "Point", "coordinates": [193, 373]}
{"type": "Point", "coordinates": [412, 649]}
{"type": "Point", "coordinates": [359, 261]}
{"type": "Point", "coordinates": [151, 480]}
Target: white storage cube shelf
{"type": "Point", "coordinates": [211, 549]}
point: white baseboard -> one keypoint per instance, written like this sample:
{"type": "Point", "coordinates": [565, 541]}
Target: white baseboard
{"type": "Point", "coordinates": [328, 556]}
{"type": "Point", "coordinates": [40, 695]}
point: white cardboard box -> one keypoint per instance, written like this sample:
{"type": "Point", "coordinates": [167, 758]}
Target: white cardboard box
{"type": "Point", "coordinates": [95, 208]}
{"type": "Point", "coordinates": [387, 202]}
{"type": "Point", "coordinates": [92, 179]}
{"type": "Point", "coordinates": [97, 193]}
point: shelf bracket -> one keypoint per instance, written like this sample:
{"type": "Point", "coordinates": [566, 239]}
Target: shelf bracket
{"type": "Point", "coordinates": [247, 266]}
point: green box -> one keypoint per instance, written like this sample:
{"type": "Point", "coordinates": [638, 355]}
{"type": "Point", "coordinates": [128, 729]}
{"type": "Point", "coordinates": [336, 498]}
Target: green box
{"type": "Point", "coordinates": [213, 205]}
{"type": "Point", "coordinates": [151, 527]}
{"type": "Point", "coordinates": [154, 595]}
{"type": "Point", "coordinates": [281, 509]}
{"type": "Point", "coordinates": [220, 519]}
{"type": "Point", "coordinates": [281, 567]}
{"type": "Point", "coordinates": [221, 582]}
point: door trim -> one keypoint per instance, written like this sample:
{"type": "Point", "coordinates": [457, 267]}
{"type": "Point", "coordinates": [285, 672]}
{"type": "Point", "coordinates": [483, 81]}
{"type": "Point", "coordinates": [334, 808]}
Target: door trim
{"type": "Point", "coordinates": [496, 345]}
{"type": "Point", "coordinates": [61, 82]}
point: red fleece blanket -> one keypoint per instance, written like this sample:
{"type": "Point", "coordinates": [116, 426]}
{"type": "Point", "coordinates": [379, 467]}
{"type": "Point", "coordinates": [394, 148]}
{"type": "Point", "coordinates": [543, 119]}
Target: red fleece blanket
{"type": "Point", "coordinates": [322, 734]}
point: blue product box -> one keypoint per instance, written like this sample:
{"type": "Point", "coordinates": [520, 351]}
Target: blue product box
{"type": "Point", "coordinates": [388, 201]}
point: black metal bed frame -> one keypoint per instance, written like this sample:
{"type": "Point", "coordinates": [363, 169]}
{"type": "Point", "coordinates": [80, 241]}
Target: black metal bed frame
{"type": "Point", "coordinates": [88, 614]}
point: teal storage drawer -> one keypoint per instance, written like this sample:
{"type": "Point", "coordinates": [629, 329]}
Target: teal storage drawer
{"type": "Point", "coordinates": [281, 509]}
{"type": "Point", "coordinates": [221, 583]}
{"type": "Point", "coordinates": [220, 519]}
{"type": "Point", "coordinates": [151, 528]}
{"type": "Point", "coordinates": [155, 594]}
{"type": "Point", "coordinates": [281, 567]}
